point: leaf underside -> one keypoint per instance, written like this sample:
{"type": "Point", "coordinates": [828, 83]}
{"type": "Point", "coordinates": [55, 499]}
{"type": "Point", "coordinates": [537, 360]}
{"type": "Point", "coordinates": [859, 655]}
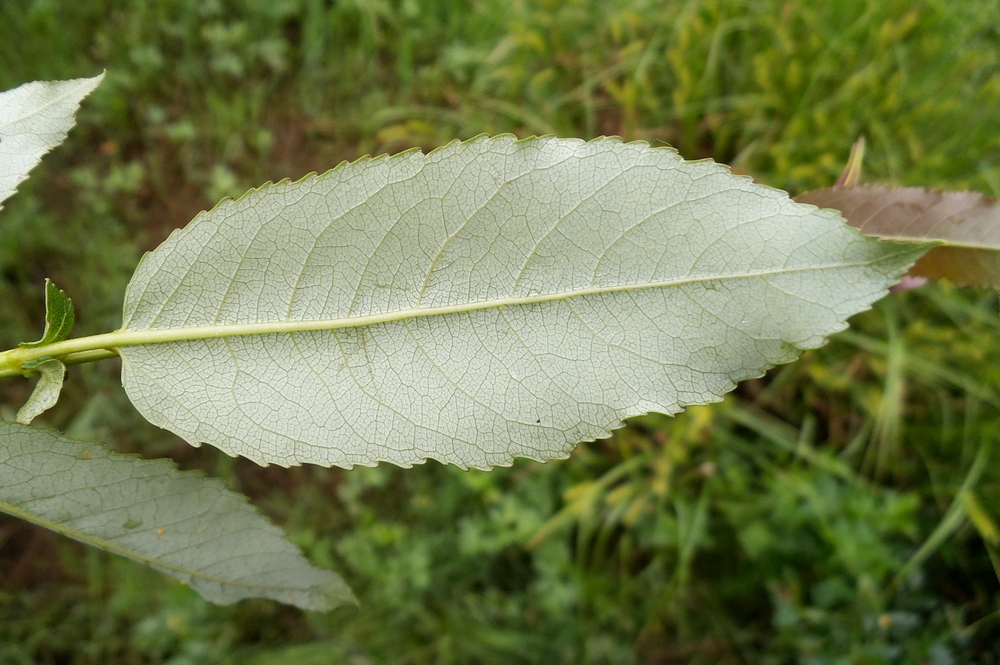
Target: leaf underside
{"type": "Point", "coordinates": [968, 222]}
{"type": "Point", "coordinates": [490, 300]}
{"type": "Point", "coordinates": [34, 118]}
{"type": "Point", "coordinates": [46, 393]}
{"type": "Point", "coordinates": [181, 523]}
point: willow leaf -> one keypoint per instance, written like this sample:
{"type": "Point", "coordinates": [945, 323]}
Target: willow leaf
{"type": "Point", "coordinates": [489, 300]}
{"type": "Point", "coordinates": [968, 223]}
{"type": "Point", "coordinates": [34, 118]}
{"type": "Point", "coordinates": [181, 523]}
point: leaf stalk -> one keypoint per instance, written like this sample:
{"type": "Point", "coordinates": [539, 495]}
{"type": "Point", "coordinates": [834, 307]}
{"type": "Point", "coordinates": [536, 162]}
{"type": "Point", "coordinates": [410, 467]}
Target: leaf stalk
{"type": "Point", "coordinates": [22, 361]}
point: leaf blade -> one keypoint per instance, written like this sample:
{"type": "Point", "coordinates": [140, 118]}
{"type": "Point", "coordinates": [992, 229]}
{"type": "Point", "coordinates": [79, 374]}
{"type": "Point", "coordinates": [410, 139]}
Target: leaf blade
{"type": "Point", "coordinates": [181, 523]}
{"type": "Point", "coordinates": [490, 285]}
{"type": "Point", "coordinates": [46, 392]}
{"type": "Point", "coordinates": [59, 316]}
{"type": "Point", "coordinates": [34, 118]}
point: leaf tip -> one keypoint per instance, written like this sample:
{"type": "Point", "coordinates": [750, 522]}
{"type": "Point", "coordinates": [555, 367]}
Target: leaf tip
{"type": "Point", "coordinates": [851, 177]}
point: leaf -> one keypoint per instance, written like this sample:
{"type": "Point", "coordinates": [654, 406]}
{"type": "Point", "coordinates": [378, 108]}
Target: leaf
{"type": "Point", "coordinates": [46, 392]}
{"type": "Point", "coordinates": [59, 316]}
{"type": "Point", "coordinates": [490, 300]}
{"type": "Point", "coordinates": [980, 518]}
{"type": "Point", "coordinates": [180, 523]}
{"type": "Point", "coordinates": [59, 319]}
{"type": "Point", "coordinates": [34, 118]}
{"type": "Point", "coordinates": [967, 222]}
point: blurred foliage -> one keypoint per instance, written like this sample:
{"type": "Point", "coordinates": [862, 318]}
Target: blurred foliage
{"type": "Point", "coordinates": [842, 509]}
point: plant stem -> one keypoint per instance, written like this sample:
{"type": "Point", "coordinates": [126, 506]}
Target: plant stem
{"type": "Point", "coordinates": [69, 352]}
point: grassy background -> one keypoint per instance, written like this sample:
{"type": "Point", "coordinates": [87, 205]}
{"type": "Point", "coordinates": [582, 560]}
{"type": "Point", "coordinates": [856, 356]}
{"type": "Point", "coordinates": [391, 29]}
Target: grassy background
{"type": "Point", "coordinates": [842, 509]}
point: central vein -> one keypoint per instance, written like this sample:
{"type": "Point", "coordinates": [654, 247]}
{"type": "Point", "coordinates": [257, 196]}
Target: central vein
{"type": "Point", "coordinates": [126, 337]}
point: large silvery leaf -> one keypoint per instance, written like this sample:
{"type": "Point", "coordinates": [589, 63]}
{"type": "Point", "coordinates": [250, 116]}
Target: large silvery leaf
{"type": "Point", "coordinates": [967, 222]}
{"type": "Point", "coordinates": [181, 523]}
{"type": "Point", "coordinates": [34, 118]}
{"type": "Point", "coordinates": [489, 300]}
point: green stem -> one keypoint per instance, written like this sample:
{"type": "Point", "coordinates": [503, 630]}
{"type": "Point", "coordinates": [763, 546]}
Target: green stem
{"type": "Point", "coordinates": [89, 356]}
{"type": "Point", "coordinates": [70, 352]}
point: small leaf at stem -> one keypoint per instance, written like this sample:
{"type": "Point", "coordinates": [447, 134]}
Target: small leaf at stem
{"type": "Point", "coordinates": [59, 316]}
{"type": "Point", "coordinates": [46, 392]}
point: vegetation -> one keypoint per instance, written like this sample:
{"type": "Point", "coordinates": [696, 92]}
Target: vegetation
{"type": "Point", "coordinates": [841, 508]}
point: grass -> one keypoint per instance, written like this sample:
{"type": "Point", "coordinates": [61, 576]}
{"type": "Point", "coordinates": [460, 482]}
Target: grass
{"type": "Point", "coordinates": [840, 509]}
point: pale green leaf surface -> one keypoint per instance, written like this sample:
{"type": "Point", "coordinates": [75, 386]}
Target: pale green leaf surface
{"type": "Point", "coordinates": [46, 393]}
{"type": "Point", "coordinates": [59, 316]}
{"type": "Point", "coordinates": [34, 118]}
{"type": "Point", "coordinates": [181, 523]}
{"type": "Point", "coordinates": [490, 300]}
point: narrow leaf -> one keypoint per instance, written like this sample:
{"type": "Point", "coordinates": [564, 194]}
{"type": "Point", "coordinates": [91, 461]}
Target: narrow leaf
{"type": "Point", "coordinates": [490, 300]}
{"type": "Point", "coordinates": [34, 118]}
{"type": "Point", "coordinates": [46, 393]}
{"type": "Point", "coordinates": [967, 222]}
{"type": "Point", "coordinates": [981, 518]}
{"type": "Point", "coordinates": [59, 316]}
{"type": "Point", "coordinates": [181, 523]}
{"type": "Point", "coordinates": [851, 177]}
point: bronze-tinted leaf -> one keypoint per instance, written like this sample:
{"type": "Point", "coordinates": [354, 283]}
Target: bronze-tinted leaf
{"type": "Point", "coordinates": [968, 224]}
